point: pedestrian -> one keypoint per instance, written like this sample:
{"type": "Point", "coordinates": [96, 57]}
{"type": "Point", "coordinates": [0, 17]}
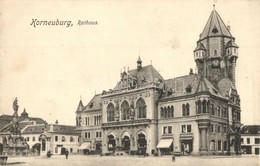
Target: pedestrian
{"type": "Point", "coordinates": [66, 153]}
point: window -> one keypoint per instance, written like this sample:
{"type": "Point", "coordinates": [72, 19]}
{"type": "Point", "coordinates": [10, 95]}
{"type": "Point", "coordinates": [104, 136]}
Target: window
{"type": "Point", "coordinates": [185, 109]}
{"type": "Point", "coordinates": [215, 52]}
{"type": "Point", "coordinates": [167, 112]}
{"type": "Point", "coordinates": [97, 120]}
{"type": "Point", "coordinates": [257, 140]}
{"type": "Point", "coordinates": [141, 108]}
{"type": "Point", "coordinates": [87, 134]}
{"type": "Point", "coordinates": [98, 134]}
{"type": "Point", "coordinates": [186, 128]}
{"type": "Point", "coordinates": [56, 138]}
{"type": "Point", "coordinates": [71, 139]}
{"type": "Point", "coordinates": [125, 110]}
{"type": "Point", "coordinates": [167, 130]}
{"type": "Point", "coordinates": [212, 109]}
{"type": "Point", "coordinates": [33, 139]}
{"type": "Point", "coordinates": [110, 112]}
{"type": "Point", "coordinates": [212, 145]}
{"type": "Point", "coordinates": [224, 113]}
{"type": "Point", "coordinates": [212, 128]}
{"type": "Point", "coordinates": [225, 129]}
{"type": "Point", "coordinates": [63, 139]}
{"type": "Point", "coordinates": [218, 111]}
{"type": "Point", "coordinates": [219, 129]}
{"type": "Point", "coordinates": [248, 140]}
{"type": "Point", "coordinates": [235, 50]}
{"type": "Point", "coordinates": [204, 106]}
{"type": "Point", "coordinates": [242, 140]}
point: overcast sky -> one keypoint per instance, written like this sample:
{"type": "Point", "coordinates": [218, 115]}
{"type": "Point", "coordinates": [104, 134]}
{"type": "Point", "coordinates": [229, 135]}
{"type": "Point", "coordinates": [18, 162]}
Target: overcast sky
{"type": "Point", "coordinates": [49, 67]}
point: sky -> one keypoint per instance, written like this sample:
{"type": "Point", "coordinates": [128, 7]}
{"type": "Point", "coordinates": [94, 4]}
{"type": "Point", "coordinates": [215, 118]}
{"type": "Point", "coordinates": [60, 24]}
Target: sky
{"type": "Point", "coordinates": [50, 68]}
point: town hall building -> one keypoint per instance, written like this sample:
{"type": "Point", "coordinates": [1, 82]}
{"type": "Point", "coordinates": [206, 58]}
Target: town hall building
{"type": "Point", "coordinates": [195, 114]}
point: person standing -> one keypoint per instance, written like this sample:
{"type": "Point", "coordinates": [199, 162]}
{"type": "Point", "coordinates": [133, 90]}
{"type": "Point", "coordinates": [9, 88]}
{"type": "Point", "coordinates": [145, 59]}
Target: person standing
{"type": "Point", "coordinates": [66, 153]}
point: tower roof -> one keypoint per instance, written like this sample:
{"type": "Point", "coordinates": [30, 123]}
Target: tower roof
{"type": "Point", "coordinates": [80, 106]}
{"type": "Point", "coordinates": [231, 43]}
{"type": "Point", "coordinates": [215, 27]}
{"type": "Point", "coordinates": [24, 113]}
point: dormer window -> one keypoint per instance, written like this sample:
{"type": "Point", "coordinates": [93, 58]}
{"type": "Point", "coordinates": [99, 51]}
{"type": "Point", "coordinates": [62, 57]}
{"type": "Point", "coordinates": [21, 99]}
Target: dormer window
{"type": "Point", "coordinates": [214, 30]}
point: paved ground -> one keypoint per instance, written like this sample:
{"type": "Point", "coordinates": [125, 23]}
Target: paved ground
{"type": "Point", "coordinates": [75, 160]}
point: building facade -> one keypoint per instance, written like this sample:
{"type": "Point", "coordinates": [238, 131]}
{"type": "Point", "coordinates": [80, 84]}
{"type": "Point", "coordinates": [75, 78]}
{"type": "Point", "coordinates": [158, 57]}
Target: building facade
{"type": "Point", "coordinates": [36, 137]}
{"type": "Point", "coordinates": [198, 113]}
{"type": "Point", "coordinates": [250, 139]}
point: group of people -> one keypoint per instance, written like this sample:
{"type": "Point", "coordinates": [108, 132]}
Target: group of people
{"type": "Point", "coordinates": [49, 154]}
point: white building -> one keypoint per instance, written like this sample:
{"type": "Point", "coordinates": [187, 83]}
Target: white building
{"type": "Point", "coordinates": [250, 139]}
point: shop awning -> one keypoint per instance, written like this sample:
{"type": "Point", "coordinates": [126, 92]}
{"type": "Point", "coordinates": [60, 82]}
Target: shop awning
{"type": "Point", "coordinates": [164, 143]}
{"type": "Point", "coordinates": [85, 145]}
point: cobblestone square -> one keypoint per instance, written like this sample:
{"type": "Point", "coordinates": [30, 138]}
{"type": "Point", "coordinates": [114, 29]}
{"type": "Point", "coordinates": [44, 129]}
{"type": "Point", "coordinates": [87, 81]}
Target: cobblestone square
{"type": "Point", "coordinates": [77, 160]}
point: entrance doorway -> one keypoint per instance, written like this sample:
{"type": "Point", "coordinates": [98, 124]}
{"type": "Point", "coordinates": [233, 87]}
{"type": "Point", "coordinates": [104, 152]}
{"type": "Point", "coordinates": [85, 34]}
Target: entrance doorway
{"type": "Point", "coordinates": [126, 143]}
{"type": "Point", "coordinates": [43, 145]}
{"type": "Point", "coordinates": [186, 146]}
{"type": "Point", "coordinates": [111, 143]}
{"type": "Point", "coordinates": [142, 144]}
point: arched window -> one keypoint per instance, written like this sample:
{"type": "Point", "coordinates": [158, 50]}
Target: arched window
{"type": "Point", "coordinates": [212, 111]}
{"type": "Point", "coordinates": [187, 109]}
{"type": "Point", "coordinates": [218, 110]}
{"type": "Point", "coordinates": [169, 111]}
{"type": "Point", "coordinates": [225, 145]}
{"type": "Point", "coordinates": [141, 108]}
{"type": "Point", "coordinates": [162, 113]}
{"type": "Point", "coordinates": [165, 112]}
{"type": "Point", "coordinates": [110, 112]}
{"type": "Point", "coordinates": [199, 107]}
{"type": "Point", "coordinates": [212, 145]}
{"type": "Point", "coordinates": [219, 145]}
{"type": "Point", "coordinates": [172, 111]}
{"type": "Point", "coordinates": [204, 104]}
{"type": "Point", "coordinates": [125, 110]}
{"type": "Point", "coordinates": [183, 110]}
{"type": "Point", "coordinates": [215, 52]}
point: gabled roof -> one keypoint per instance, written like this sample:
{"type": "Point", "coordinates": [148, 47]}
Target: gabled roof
{"type": "Point", "coordinates": [80, 106]}
{"type": "Point", "coordinates": [178, 85]}
{"type": "Point", "coordinates": [188, 85]}
{"type": "Point", "coordinates": [200, 46]}
{"type": "Point", "coordinates": [231, 43]}
{"type": "Point", "coordinates": [251, 129]}
{"type": "Point", "coordinates": [215, 27]}
{"type": "Point", "coordinates": [34, 129]}
{"type": "Point", "coordinates": [144, 75]}
{"type": "Point", "coordinates": [94, 104]}
{"type": "Point", "coordinates": [63, 129]}
{"type": "Point", "coordinates": [147, 72]}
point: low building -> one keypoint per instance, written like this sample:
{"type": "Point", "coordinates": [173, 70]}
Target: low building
{"type": "Point", "coordinates": [57, 138]}
{"type": "Point", "coordinates": [250, 139]}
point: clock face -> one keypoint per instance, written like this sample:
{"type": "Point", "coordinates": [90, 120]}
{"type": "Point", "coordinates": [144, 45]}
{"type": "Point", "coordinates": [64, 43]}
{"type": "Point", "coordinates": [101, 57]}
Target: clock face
{"type": "Point", "coordinates": [215, 63]}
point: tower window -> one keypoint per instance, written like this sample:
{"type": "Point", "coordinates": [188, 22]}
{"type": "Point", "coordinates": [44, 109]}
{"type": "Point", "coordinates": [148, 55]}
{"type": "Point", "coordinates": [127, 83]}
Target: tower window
{"type": "Point", "coordinates": [235, 50]}
{"type": "Point", "coordinates": [215, 52]}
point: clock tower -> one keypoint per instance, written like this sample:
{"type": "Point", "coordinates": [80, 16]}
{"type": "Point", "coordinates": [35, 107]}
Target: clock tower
{"type": "Point", "coordinates": [216, 52]}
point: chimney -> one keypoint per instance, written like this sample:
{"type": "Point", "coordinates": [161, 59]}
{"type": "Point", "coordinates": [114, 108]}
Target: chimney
{"type": "Point", "coordinates": [191, 71]}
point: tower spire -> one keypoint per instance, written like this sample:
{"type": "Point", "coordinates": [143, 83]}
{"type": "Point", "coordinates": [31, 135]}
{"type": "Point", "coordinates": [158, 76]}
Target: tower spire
{"type": "Point", "coordinates": [139, 63]}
